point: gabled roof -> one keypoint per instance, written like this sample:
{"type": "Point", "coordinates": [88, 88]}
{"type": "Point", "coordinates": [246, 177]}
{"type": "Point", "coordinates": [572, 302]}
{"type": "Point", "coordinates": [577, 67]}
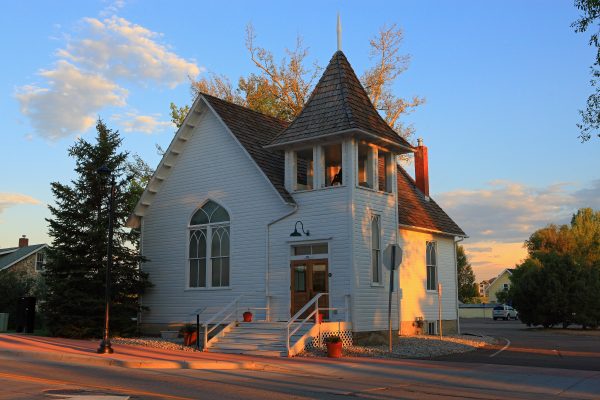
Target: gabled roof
{"type": "Point", "coordinates": [415, 210]}
{"type": "Point", "coordinates": [251, 129]}
{"type": "Point", "coordinates": [339, 104]}
{"type": "Point", "coordinates": [13, 255]}
{"type": "Point", "coordinates": [255, 130]}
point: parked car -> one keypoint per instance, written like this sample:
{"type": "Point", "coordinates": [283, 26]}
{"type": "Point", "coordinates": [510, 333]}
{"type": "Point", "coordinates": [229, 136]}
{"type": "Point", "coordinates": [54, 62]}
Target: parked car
{"type": "Point", "coordinates": [504, 312]}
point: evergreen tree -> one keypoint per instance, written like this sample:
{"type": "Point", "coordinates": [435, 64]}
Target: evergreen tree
{"type": "Point", "coordinates": [467, 289]}
{"type": "Point", "coordinates": [76, 267]}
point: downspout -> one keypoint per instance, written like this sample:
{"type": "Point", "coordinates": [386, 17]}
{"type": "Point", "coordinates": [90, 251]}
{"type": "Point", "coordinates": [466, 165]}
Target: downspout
{"type": "Point", "coordinates": [456, 242]}
{"type": "Point", "coordinates": [268, 253]}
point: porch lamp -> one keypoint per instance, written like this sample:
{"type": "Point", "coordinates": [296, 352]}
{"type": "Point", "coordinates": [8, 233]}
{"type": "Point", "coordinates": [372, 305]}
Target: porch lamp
{"type": "Point", "coordinates": [105, 347]}
{"type": "Point", "coordinates": [298, 234]}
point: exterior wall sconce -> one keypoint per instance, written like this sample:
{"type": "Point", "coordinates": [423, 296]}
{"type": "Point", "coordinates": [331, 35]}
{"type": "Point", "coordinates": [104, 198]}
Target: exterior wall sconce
{"type": "Point", "coordinates": [296, 233]}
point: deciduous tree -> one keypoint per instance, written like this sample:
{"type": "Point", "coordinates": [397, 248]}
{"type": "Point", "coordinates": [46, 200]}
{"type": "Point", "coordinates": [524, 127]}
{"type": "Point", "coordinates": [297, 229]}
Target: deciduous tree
{"type": "Point", "coordinates": [590, 117]}
{"type": "Point", "coordinates": [280, 89]}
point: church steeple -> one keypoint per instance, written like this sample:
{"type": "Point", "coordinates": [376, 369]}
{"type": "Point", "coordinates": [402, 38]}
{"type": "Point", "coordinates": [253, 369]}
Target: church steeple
{"type": "Point", "coordinates": [339, 105]}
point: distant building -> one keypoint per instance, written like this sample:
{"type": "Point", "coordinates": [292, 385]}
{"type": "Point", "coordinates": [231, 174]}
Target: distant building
{"type": "Point", "coordinates": [499, 283]}
{"type": "Point", "coordinates": [25, 258]}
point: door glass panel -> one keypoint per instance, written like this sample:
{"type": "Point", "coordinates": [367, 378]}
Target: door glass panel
{"type": "Point", "coordinates": [302, 250]}
{"type": "Point", "coordinates": [300, 278]}
{"type": "Point", "coordinates": [320, 248]}
{"type": "Point", "coordinates": [319, 278]}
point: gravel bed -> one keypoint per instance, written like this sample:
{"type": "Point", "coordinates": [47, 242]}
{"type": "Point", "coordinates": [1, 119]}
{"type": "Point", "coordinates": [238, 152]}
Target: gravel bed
{"type": "Point", "coordinates": [155, 342]}
{"type": "Point", "coordinates": [412, 347]}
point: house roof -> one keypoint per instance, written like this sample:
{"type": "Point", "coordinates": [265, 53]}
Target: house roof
{"type": "Point", "coordinates": [338, 104]}
{"type": "Point", "coordinates": [255, 130]}
{"type": "Point", "coordinates": [415, 210]}
{"type": "Point", "coordinates": [13, 255]}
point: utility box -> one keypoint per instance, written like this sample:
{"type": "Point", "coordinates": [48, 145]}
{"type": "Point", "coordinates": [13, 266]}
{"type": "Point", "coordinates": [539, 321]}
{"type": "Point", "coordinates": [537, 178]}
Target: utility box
{"type": "Point", "coordinates": [3, 322]}
{"type": "Point", "coordinates": [26, 314]}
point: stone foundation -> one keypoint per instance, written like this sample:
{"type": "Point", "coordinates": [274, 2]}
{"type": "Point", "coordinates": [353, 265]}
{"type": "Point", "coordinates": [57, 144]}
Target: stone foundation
{"type": "Point", "coordinates": [408, 328]}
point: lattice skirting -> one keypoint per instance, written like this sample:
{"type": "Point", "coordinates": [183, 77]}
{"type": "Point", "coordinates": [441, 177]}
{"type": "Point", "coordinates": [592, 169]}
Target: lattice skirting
{"type": "Point", "coordinates": [316, 342]}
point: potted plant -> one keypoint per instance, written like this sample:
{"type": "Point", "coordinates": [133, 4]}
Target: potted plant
{"type": "Point", "coordinates": [190, 335]}
{"type": "Point", "coordinates": [334, 346]}
{"type": "Point", "coordinates": [247, 316]}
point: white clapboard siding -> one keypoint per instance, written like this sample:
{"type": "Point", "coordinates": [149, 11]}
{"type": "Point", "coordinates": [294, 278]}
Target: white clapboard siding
{"type": "Point", "coordinates": [417, 301]}
{"type": "Point", "coordinates": [326, 214]}
{"type": "Point", "coordinates": [212, 166]}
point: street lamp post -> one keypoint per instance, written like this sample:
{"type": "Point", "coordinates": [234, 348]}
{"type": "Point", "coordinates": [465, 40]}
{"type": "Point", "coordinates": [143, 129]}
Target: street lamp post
{"type": "Point", "coordinates": [105, 347]}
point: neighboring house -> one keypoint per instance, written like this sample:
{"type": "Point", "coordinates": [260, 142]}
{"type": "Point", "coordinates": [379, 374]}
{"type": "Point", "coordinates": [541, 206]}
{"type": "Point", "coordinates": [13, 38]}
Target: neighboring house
{"type": "Point", "coordinates": [500, 283]}
{"type": "Point", "coordinates": [483, 287]}
{"type": "Point", "coordinates": [24, 258]}
{"type": "Point", "coordinates": [245, 204]}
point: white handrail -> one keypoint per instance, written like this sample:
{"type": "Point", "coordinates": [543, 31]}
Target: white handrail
{"type": "Point", "coordinates": [218, 315]}
{"type": "Point", "coordinates": [314, 300]}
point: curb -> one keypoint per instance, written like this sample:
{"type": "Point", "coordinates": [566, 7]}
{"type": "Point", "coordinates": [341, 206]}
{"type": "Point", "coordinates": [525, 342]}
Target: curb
{"type": "Point", "coordinates": [137, 364]}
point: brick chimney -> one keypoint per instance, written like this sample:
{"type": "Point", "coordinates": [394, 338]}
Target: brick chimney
{"type": "Point", "coordinates": [23, 241]}
{"type": "Point", "coordinates": [422, 168]}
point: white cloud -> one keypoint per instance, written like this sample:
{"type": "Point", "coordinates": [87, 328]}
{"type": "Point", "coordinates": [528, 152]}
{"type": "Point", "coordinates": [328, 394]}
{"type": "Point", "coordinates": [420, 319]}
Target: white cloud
{"type": "Point", "coordinates": [12, 199]}
{"type": "Point", "coordinates": [132, 122]}
{"type": "Point", "coordinates": [70, 101]}
{"type": "Point", "coordinates": [84, 79]}
{"type": "Point", "coordinates": [500, 217]}
{"type": "Point", "coordinates": [120, 49]}
{"type": "Point", "coordinates": [508, 211]}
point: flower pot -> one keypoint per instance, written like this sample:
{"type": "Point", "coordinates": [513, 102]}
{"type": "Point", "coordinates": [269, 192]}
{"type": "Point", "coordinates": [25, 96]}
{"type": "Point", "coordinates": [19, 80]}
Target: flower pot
{"type": "Point", "coordinates": [334, 350]}
{"type": "Point", "coordinates": [189, 338]}
{"type": "Point", "coordinates": [247, 316]}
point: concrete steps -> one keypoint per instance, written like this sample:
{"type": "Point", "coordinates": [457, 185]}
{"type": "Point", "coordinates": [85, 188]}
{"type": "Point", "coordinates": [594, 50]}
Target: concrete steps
{"type": "Point", "coordinates": [256, 338]}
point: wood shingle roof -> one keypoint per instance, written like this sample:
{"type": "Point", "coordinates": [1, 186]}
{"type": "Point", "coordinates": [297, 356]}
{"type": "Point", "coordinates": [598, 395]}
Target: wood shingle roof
{"type": "Point", "coordinates": [415, 210]}
{"type": "Point", "coordinates": [338, 104]}
{"type": "Point", "coordinates": [255, 130]}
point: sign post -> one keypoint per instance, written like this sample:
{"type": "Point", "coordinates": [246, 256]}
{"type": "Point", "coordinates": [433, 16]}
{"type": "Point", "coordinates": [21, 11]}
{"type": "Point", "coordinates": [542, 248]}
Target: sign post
{"type": "Point", "coordinates": [440, 308]}
{"type": "Point", "coordinates": [392, 258]}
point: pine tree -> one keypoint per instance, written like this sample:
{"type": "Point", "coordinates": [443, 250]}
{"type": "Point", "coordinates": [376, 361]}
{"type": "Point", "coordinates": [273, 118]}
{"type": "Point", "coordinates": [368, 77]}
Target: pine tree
{"type": "Point", "coordinates": [76, 267]}
{"type": "Point", "coordinates": [467, 290]}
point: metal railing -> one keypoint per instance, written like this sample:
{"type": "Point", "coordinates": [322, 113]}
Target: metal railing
{"type": "Point", "coordinates": [225, 313]}
{"type": "Point", "coordinates": [315, 313]}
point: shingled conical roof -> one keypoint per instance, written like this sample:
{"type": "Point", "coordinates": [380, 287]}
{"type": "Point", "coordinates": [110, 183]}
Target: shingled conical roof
{"type": "Point", "coordinates": [338, 104]}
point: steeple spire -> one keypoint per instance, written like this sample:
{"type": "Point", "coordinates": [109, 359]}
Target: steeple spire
{"type": "Point", "coordinates": [339, 33]}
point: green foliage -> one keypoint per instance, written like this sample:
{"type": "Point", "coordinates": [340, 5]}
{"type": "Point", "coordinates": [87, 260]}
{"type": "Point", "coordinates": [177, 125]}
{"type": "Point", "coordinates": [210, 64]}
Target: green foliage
{"type": "Point", "coordinates": [558, 284]}
{"type": "Point", "coordinates": [14, 285]}
{"type": "Point", "coordinates": [590, 117]}
{"type": "Point", "coordinates": [178, 114]}
{"type": "Point", "coordinates": [75, 270]}
{"type": "Point", "coordinates": [467, 288]}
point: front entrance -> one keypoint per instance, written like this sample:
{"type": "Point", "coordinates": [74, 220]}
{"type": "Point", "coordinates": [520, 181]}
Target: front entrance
{"type": "Point", "coordinates": [309, 278]}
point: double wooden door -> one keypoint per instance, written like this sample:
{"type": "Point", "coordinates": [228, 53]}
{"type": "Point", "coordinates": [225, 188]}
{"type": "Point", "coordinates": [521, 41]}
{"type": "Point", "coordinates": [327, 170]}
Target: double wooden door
{"type": "Point", "coordinates": [309, 277]}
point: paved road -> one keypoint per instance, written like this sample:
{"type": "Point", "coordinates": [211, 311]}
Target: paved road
{"type": "Point", "coordinates": [22, 378]}
{"type": "Point", "coordinates": [523, 346]}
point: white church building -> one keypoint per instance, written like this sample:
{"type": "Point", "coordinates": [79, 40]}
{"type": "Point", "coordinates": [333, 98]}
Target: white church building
{"type": "Point", "coordinates": [249, 213]}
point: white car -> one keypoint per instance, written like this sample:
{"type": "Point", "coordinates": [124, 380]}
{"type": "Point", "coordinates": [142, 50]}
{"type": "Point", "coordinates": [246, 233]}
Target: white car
{"type": "Point", "coordinates": [504, 312]}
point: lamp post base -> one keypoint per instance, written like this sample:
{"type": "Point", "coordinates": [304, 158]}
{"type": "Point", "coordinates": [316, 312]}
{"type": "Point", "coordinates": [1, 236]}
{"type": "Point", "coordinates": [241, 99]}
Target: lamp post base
{"type": "Point", "coordinates": [105, 348]}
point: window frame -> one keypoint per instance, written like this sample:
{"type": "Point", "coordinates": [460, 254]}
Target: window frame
{"type": "Point", "coordinates": [38, 261]}
{"type": "Point", "coordinates": [428, 285]}
{"type": "Point", "coordinates": [210, 229]}
{"type": "Point", "coordinates": [295, 169]}
{"type": "Point", "coordinates": [376, 269]}
{"type": "Point", "coordinates": [323, 180]}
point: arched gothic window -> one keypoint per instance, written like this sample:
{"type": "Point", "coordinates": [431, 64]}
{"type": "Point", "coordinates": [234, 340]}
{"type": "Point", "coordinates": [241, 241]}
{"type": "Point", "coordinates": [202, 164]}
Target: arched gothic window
{"type": "Point", "coordinates": [431, 261]}
{"type": "Point", "coordinates": [208, 257]}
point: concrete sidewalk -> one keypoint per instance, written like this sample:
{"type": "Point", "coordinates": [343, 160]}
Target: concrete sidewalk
{"type": "Point", "coordinates": [127, 356]}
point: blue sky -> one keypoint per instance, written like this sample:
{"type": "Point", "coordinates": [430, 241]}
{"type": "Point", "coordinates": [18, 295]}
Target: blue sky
{"type": "Point", "coordinates": [503, 83]}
